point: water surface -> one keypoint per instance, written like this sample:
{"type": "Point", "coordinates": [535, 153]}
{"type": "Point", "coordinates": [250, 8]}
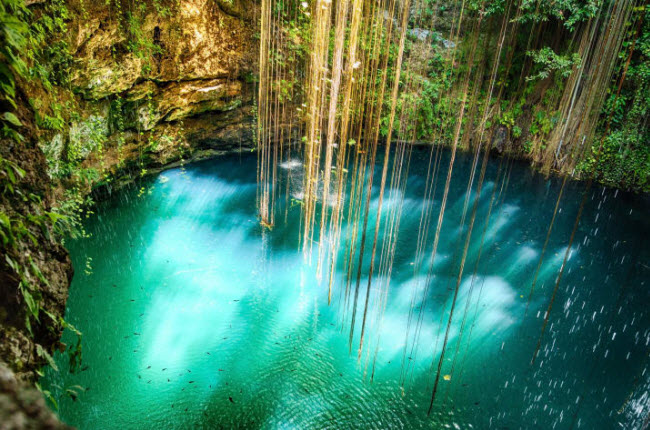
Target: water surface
{"type": "Point", "coordinates": [193, 316]}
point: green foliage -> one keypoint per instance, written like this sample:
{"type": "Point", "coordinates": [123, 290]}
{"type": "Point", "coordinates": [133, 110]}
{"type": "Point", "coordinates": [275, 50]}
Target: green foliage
{"type": "Point", "coordinates": [14, 36]}
{"type": "Point", "coordinates": [22, 42]}
{"type": "Point", "coordinates": [549, 62]}
{"type": "Point", "coordinates": [50, 56]}
{"type": "Point", "coordinates": [624, 159]}
{"type": "Point", "coordinates": [509, 116]}
{"type": "Point", "coordinates": [542, 123]}
{"type": "Point", "coordinates": [139, 43]}
{"type": "Point", "coordinates": [46, 355]}
{"type": "Point", "coordinates": [87, 136]}
{"type": "Point", "coordinates": [569, 12]}
{"type": "Point", "coordinates": [68, 216]}
{"type": "Point", "coordinates": [10, 173]}
{"type": "Point", "coordinates": [56, 121]}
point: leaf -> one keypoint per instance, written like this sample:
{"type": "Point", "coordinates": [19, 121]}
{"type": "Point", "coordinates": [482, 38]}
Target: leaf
{"type": "Point", "coordinates": [20, 172]}
{"type": "Point", "coordinates": [13, 119]}
{"type": "Point", "coordinates": [48, 395]}
{"type": "Point", "coordinates": [31, 303]}
{"type": "Point", "coordinates": [36, 271]}
{"type": "Point", "coordinates": [28, 324]}
{"type": "Point", "coordinates": [46, 355]}
{"type": "Point", "coordinates": [5, 72]}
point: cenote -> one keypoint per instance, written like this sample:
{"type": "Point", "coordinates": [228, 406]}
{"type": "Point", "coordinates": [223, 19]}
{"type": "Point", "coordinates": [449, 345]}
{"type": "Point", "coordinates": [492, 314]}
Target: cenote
{"type": "Point", "coordinates": [195, 316]}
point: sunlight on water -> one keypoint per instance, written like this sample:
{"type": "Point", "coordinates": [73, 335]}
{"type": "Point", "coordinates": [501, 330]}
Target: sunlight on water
{"type": "Point", "coordinates": [195, 317]}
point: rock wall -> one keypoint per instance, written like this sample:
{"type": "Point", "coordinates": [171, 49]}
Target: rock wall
{"type": "Point", "coordinates": [149, 83]}
{"type": "Point", "coordinates": [174, 81]}
{"type": "Point", "coordinates": [36, 256]}
{"type": "Point", "coordinates": [38, 247]}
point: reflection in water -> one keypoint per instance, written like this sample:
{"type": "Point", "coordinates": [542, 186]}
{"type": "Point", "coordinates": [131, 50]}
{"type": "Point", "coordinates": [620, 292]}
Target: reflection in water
{"type": "Point", "coordinates": [195, 316]}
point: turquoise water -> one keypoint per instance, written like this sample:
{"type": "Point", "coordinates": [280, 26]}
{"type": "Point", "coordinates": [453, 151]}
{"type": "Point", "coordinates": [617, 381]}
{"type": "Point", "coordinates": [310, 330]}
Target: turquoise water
{"type": "Point", "coordinates": [193, 316]}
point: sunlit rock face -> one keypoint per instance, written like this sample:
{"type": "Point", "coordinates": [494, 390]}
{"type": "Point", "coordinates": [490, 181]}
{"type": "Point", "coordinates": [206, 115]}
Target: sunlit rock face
{"type": "Point", "coordinates": [194, 316]}
{"type": "Point", "coordinates": [198, 41]}
{"type": "Point", "coordinates": [181, 73]}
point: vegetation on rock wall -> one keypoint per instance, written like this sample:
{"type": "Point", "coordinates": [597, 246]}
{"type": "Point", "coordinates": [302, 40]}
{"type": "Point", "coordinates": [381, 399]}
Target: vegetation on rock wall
{"type": "Point", "coordinates": [541, 62]}
{"type": "Point", "coordinates": [624, 159]}
{"type": "Point", "coordinates": [559, 65]}
{"type": "Point", "coordinates": [27, 219]}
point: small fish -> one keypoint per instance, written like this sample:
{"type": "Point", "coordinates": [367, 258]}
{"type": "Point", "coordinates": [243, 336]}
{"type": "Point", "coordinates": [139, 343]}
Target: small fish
{"type": "Point", "coordinates": [231, 400]}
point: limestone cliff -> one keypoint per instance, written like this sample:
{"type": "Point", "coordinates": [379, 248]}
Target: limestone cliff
{"type": "Point", "coordinates": [154, 85]}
